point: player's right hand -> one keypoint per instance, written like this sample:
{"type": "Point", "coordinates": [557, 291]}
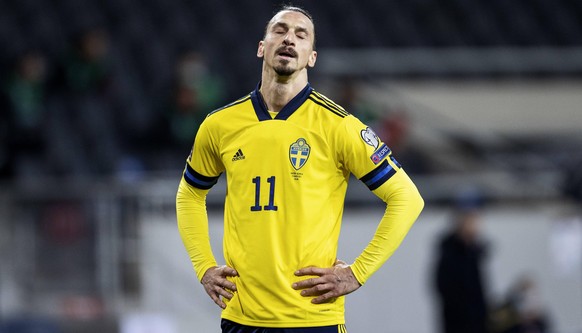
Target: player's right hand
{"type": "Point", "coordinates": [216, 284]}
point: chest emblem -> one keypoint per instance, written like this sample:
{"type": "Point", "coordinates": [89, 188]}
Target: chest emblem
{"type": "Point", "coordinates": [299, 153]}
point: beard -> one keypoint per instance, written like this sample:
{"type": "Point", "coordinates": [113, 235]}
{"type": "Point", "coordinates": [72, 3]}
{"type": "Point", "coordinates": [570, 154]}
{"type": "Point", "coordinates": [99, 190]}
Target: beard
{"type": "Point", "coordinates": [284, 70]}
{"type": "Point", "coordinates": [282, 67]}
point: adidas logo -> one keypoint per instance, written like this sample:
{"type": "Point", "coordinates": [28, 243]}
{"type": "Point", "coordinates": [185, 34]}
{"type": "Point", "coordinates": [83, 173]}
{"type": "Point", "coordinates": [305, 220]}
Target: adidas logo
{"type": "Point", "coordinates": [238, 156]}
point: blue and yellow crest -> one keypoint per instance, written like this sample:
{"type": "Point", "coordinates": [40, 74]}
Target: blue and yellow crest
{"type": "Point", "coordinates": [299, 153]}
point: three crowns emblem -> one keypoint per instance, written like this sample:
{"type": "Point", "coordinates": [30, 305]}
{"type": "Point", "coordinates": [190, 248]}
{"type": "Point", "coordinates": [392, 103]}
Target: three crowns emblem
{"type": "Point", "coordinates": [299, 153]}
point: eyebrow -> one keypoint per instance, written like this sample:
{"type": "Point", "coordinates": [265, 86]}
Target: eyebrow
{"type": "Point", "coordinates": [286, 26]}
{"type": "Point", "coordinates": [280, 25]}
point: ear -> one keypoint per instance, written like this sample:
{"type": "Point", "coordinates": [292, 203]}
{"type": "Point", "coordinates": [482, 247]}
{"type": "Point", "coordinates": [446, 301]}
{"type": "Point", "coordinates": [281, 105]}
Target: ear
{"type": "Point", "coordinates": [261, 49]}
{"type": "Point", "coordinates": [312, 59]}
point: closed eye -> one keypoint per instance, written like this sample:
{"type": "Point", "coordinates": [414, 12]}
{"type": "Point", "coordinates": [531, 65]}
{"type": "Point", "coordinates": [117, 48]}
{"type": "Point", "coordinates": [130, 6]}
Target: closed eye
{"type": "Point", "coordinates": [301, 33]}
{"type": "Point", "coordinates": [279, 28]}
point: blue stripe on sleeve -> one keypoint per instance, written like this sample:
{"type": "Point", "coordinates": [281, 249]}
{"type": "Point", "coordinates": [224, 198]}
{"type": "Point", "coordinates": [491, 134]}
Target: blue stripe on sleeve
{"type": "Point", "coordinates": [197, 180]}
{"type": "Point", "coordinates": [378, 176]}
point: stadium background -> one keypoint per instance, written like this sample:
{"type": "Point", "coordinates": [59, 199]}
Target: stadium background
{"type": "Point", "coordinates": [480, 101]}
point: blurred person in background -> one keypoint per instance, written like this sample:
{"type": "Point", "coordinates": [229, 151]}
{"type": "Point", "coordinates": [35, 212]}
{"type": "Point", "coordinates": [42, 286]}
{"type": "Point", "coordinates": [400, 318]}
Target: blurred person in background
{"type": "Point", "coordinates": [522, 311]}
{"type": "Point", "coordinates": [185, 116]}
{"type": "Point", "coordinates": [194, 73]}
{"type": "Point", "coordinates": [181, 118]}
{"type": "Point", "coordinates": [459, 279]}
{"type": "Point", "coordinates": [93, 108]}
{"type": "Point", "coordinates": [85, 69]}
{"type": "Point", "coordinates": [24, 114]}
{"type": "Point", "coordinates": [194, 91]}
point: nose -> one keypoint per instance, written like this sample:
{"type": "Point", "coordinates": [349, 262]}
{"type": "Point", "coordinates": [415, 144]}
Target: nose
{"type": "Point", "coordinates": [289, 39]}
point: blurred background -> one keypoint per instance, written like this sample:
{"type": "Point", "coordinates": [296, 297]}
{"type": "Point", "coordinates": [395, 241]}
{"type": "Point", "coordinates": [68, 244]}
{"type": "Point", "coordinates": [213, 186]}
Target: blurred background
{"type": "Point", "coordinates": [481, 102]}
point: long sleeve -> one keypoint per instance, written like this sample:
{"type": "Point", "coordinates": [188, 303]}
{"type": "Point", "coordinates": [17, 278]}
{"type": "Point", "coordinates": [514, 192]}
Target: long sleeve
{"type": "Point", "coordinates": [403, 205]}
{"type": "Point", "coordinates": [193, 226]}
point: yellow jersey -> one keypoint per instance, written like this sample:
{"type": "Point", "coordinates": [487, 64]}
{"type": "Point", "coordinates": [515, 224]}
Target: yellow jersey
{"type": "Point", "coordinates": [287, 175]}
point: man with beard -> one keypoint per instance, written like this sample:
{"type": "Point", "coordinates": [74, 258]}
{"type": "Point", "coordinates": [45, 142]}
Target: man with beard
{"type": "Point", "coordinates": [288, 152]}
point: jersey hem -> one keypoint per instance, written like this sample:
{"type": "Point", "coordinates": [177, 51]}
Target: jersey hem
{"type": "Point", "coordinates": [281, 324]}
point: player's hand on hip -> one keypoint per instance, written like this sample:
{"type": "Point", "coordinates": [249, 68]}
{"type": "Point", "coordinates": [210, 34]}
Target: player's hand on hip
{"type": "Point", "coordinates": [329, 284]}
{"type": "Point", "coordinates": [216, 284]}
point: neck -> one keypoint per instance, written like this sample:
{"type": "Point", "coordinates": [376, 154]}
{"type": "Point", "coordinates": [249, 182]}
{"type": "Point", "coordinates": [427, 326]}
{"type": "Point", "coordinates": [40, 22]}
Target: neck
{"type": "Point", "coordinates": [277, 91]}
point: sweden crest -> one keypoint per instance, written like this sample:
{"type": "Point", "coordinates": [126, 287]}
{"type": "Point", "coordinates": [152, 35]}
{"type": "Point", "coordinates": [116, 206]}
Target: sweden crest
{"type": "Point", "coordinates": [299, 153]}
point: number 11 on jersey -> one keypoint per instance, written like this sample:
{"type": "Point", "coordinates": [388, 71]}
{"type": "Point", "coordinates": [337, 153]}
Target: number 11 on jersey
{"type": "Point", "coordinates": [271, 205]}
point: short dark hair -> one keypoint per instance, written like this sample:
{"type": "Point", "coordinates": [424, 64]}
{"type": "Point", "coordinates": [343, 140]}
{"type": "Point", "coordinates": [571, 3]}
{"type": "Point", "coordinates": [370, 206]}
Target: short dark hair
{"type": "Point", "coordinates": [293, 8]}
{"type": "Point", "coordinates": [296, 9]}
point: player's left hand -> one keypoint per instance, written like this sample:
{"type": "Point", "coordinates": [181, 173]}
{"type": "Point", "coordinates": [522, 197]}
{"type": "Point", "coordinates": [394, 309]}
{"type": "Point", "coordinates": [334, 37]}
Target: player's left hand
{"type": "Point", "coordinates": [329, 284]}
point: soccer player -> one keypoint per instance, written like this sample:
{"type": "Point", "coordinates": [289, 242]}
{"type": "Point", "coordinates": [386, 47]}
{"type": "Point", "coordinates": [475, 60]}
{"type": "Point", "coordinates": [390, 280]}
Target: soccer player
{"type": "Point", "coordinates": [288, 152]}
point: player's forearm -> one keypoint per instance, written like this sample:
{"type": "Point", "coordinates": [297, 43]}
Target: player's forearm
{"type": "Point", "coordinates": [193, 226]}
{"type": "Point", "coordinates": [404, 204]}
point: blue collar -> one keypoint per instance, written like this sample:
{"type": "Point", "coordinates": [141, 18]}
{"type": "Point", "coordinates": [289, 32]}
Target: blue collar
{"type": "Point", "coordinates": [261, 108]}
